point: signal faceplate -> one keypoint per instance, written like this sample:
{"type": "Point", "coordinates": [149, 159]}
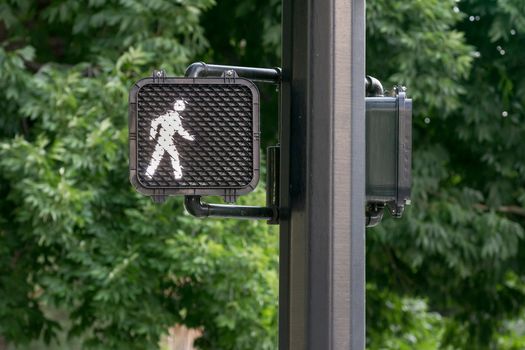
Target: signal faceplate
{"type": "Point", "coordinates": [194, 136]}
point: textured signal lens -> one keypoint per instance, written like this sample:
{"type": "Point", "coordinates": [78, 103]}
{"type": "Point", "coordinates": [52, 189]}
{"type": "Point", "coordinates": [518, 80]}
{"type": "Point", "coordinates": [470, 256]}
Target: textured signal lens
{"type": "Point", "coordinates": [194, 136]}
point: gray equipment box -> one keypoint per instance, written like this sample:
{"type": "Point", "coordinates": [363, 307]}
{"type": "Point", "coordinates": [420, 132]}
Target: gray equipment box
{"type": "Point", "coordinates": [389, 151]}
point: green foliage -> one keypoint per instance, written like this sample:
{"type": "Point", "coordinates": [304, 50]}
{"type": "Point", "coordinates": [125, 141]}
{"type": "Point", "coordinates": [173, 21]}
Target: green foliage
{"type": "Point", "coordinates": [460, 246]}
{"type": "Point", "coordinates": [414, 43]}
{"type": "Point", "coordinates": [71, 31]}
{"type": "Point", "coordinates": [74, 235]}
{"type": "Point", "coordinates": [402, 323]}
{"type": "Point", "coordinates": [512, 335]}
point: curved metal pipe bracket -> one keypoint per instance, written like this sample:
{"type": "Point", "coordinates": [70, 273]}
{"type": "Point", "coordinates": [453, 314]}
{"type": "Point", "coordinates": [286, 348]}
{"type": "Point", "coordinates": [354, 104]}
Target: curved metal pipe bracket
{"type": "Point", "coordinates": [195, 207]}
{"type": "Point", "coordinates": [262, 75]}
{"type": "Point", "coordinates": [373, 87]}
{"type": "Point", "coordinates": [193, 204]}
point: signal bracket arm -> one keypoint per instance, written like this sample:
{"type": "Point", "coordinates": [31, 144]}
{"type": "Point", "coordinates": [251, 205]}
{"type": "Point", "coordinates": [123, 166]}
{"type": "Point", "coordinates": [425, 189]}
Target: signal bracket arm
{"type": "Point", "coordinates": [195, 207]}
{"type": "Point", "coordinates": [193, 204]}
{"type": "Point", "coordinates": [262, 75]}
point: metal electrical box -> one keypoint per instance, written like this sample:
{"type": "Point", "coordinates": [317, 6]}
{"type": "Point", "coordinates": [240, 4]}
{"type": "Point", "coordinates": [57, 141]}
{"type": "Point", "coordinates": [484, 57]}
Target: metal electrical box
{"type": "Point", "coordinates": [194, 136]}
{"type": "Point", "coordinates": [389, 151]}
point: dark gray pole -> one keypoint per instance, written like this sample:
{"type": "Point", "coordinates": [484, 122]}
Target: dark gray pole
{"type": "Point", "coordinates": [322, 259]}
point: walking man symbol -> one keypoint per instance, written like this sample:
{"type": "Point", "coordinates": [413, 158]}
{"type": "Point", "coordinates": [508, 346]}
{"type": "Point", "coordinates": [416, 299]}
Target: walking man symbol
{"type": "Point", "coordinates": [170, 124]}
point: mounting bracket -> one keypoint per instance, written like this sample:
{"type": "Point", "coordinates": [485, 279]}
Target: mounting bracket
{"type": "Point", "coordinates": [374, 207]}
{"type": "Point", "coordinates": [193, 204]}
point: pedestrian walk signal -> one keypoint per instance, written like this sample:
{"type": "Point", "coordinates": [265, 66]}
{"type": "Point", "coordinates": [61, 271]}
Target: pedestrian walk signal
{"type": "Point", "coordinates": [194, 136]}
{"type": "Point", "coordinates": [167, 125]}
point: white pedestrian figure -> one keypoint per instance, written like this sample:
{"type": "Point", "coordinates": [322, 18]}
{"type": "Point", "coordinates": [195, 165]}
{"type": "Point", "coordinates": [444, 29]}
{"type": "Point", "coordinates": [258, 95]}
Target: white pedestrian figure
{"type": "Point", "coordinates": [170, 124]}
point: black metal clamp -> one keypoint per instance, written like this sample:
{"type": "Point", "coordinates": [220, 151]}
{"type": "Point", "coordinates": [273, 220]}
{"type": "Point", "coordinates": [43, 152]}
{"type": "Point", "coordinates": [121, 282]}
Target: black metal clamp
{"type": "Point", "coordinates": [270, 212]}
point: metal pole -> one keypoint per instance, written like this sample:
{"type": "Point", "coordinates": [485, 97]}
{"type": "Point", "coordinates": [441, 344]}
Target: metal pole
{"type": "Point", "coordinates": [322, 218]}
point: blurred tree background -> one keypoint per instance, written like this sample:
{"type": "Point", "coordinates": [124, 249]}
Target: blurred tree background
{"type": "Point", "coordinates": [76, 239]}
